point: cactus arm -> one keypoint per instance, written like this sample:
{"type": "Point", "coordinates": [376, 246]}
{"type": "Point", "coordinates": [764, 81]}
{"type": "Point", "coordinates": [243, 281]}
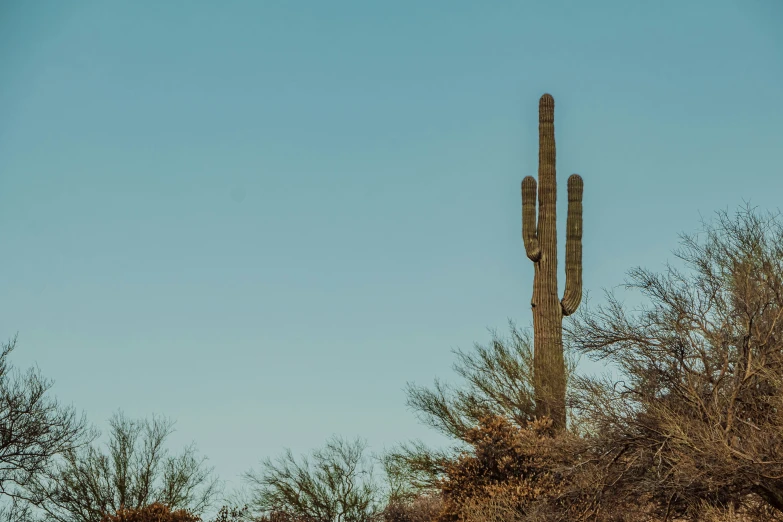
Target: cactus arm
{"type": "Point", "coordinates": [529, 236]}
{"type": "Point", "coordinates": [573, 290]}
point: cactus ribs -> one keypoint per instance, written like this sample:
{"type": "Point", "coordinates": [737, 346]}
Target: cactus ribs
{"type": "Point", "coordinates": [540, 240]}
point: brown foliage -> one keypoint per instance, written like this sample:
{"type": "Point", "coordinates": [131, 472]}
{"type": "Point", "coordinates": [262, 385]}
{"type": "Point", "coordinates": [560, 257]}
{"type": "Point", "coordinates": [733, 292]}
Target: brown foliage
{"type": "Point", "coordinates": [424, 508]}
{"type": "Point", "coordinates": [510, 470]}
{"type": "Point", "coordinates": [156, 512]}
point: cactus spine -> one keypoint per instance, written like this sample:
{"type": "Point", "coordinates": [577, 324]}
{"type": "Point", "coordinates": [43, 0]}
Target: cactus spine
{"type": "Point", "coordinates": [549, 375]}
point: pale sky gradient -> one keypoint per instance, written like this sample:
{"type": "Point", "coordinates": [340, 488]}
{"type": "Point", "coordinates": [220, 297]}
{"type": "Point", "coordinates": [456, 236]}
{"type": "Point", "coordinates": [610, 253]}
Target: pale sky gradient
{"type": "Point", "coordinates": [263, 218]}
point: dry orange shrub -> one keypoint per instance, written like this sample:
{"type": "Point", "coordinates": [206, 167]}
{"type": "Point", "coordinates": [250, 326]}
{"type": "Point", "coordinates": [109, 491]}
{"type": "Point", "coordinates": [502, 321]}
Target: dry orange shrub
{"type": "Point", "coordinates": [155, 512]}
{"type": "Point", "coordinates": [512, 472]}
{"type": "Point", "coordinates": [424, 508]}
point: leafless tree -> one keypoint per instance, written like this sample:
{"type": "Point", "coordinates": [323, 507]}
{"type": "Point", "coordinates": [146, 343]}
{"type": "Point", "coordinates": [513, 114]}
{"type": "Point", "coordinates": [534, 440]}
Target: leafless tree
{"type": "Point", "coordinates": [17, 509]}
{"type": "Point", "coordinates": [696, 416]}
{"type": "Point", "coordinates": [336, 485]}
{"type": "Point", "coordinates": [34, 429]}
{"type": "Point", "coordinates": [136, 472]}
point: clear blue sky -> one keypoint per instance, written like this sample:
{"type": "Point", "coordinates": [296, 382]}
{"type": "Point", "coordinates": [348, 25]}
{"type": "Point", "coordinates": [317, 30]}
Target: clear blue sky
{"type": "Point", "coordinates": [263, 218]}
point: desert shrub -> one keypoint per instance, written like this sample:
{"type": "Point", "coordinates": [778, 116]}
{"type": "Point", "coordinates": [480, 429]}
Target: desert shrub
{"type": "Point", "coordinates": [156, 512]}
{"type": "Point", "coordinates": [531, 474]}
{"type": "Point", "coordinates": [424, 508]}
{"type": "Point", "coordinates": [510, 470]}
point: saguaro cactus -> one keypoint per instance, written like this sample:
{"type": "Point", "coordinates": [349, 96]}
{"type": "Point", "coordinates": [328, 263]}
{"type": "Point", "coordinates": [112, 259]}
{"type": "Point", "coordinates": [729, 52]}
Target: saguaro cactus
{"type": "Point", "coordinates": [549, 377]}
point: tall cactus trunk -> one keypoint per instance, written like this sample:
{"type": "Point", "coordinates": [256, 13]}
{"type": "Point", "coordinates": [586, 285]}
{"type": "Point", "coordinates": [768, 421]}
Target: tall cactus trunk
{"type": "Point", "coordinates": [549, 374]}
